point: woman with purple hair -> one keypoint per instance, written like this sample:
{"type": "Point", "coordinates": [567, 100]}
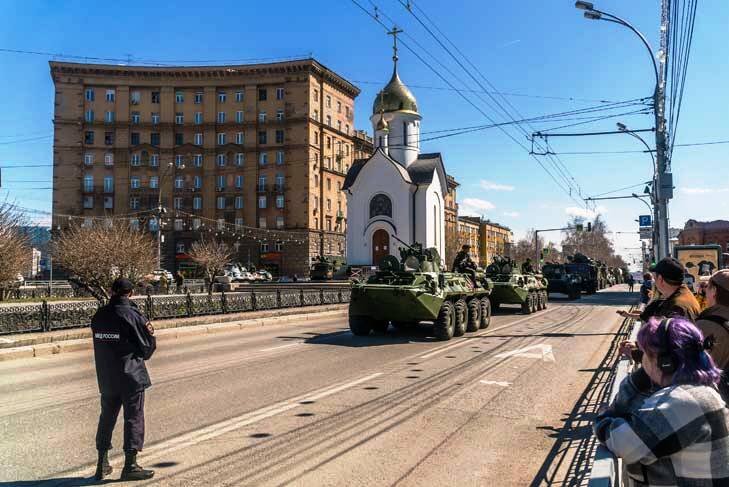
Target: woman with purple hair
{"type": "Point", "coordinates": [668, 422]}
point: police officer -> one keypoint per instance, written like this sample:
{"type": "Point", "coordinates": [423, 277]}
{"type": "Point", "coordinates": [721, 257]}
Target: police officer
{"type": "Point", "coordinates": [123, 340]}
{"type": "Point", "coordinates": [464, 264]}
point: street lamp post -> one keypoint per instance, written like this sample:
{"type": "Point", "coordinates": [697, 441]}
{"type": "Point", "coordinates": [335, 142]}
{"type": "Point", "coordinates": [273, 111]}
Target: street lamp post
{"type": "Point", "coordinates": [161, 210]}
{"type": "Point", "coordinates": [662, 179]}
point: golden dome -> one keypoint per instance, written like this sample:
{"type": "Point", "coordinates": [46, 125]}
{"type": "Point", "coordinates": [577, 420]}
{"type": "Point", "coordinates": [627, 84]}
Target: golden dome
{"type": "Point", "coordinates": [382, 125]}
{"type": "Point", "coordinates": [395, 97]}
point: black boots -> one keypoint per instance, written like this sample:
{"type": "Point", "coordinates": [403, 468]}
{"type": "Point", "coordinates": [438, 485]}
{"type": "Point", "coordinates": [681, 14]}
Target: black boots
{"type": "Point", "coordinates": [132, 471]}
{"type": "Point", "coordinates": [102, 467]}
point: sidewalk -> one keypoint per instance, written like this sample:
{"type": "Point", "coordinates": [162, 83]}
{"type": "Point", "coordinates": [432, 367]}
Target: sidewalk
{"type": "Point", "coordinates": [27, 345]}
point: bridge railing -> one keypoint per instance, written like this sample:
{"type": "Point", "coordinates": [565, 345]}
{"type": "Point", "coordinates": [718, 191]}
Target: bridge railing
{"type": "Point", "coordinates": [607, 469]}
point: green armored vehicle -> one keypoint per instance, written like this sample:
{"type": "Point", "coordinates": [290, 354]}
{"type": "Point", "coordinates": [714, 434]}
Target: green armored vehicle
{"type": "Point", "coordinates": [325, 268]}
{"type": "Point", "coordinates": [561, 280]}
{"type": "Point", "coordinates": [512, 287]}
{"type": "Point", "coordinates": [415, 288]}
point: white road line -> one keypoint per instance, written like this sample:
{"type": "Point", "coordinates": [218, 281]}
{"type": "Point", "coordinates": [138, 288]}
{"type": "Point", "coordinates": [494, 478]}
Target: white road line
{"type": "Point", "coordinates": [544, 352]}
{"type": "Point", "coordinates": [280, 347]}
{"type": "Point", "coordinates": [485, 332]}
{"type": "Point", "coordinates": [218, 429]}
{"type": "Point", "coordinates": [496, 383]}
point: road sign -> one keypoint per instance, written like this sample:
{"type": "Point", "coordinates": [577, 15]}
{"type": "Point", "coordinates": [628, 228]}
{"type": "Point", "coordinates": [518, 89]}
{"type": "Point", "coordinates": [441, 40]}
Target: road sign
{"type": "Point", "coordinates": [644, 221]}
{"type": "Point", "coordinates": [646, 233]}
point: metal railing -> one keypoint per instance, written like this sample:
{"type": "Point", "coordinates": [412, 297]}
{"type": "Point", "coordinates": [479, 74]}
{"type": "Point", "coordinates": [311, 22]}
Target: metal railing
{"type": "Point", "coordinates": [607, 469]}
{"type": "Point", "coordinates": [38, 289]}
{"type": "Point", "coordinates": [47, 316]}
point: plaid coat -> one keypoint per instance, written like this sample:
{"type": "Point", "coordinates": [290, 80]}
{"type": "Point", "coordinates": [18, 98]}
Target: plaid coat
{"type": "Point", "coordinates": [679, 435]}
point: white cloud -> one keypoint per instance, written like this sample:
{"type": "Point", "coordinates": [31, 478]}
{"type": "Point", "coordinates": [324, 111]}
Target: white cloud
{"type": "Point", "coordinates": [585, 213]}
{"type": "Point", "coordinates": [492, 186]}
{"type": "Point", "coordinates": [475, 207]}
{"type": "Point", "coordinates": [704, 190]}
{"type": "Point", "coordinates": [512, 214]}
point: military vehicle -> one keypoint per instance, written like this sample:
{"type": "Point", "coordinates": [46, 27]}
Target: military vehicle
{"type": "Point", "coordinates": [588, 269]}
{"type": "Point", "coordinates": [325, 268]}
{"type": "Point", "coordinates": [416, 288]}
{"type": "Point", "coordinates": [560, 280]}
{"type": "Point", "coordinates": [513, 287]}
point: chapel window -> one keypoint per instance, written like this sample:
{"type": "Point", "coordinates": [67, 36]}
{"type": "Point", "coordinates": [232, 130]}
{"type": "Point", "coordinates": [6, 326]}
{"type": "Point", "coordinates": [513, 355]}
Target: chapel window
{"type": "Point", "coordinates": [380, 205]}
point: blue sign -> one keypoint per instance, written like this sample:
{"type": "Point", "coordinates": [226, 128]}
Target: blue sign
{"type": "Point", "coordinates": [644, 221]}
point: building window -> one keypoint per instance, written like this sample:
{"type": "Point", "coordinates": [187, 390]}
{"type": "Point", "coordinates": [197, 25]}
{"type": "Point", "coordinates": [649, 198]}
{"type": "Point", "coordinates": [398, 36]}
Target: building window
{"type": "Point", "coordinates": [110, 95]}
{"type": "Point", "coordinates": [346, 111]}
{"type": "Point", "coordinates": [89, 159]}
{"type": "Point", "coordinates": [154, 160]}
{"type": "Point", "coordinates": [279, 93]}
{"type": "Point", "coordinates": [134, 203]}
{"type": "Point", "coordinates": [329, 204]}
{"type": "Point", "coordinates": [239, 96]}
{"type": "Point", "coordinates": [239, 159]}
{"type": "Point", "coordinates": [155, 96]}
{"type": "Point", "coordinates": [329, 120]}
{"type": "Point", "coordinates": [134, 182]}
{"type": "Point", "coordinates": [316, 95]}
{"type": "Point", "coordinates": [179, 182]}
{"type": "Point", "coordinates": [154, 138]}
{"type": "Point", "coordinates": [198, 139]}
{"type": "Point", "coordinates": [261, 117]}
{"type": "Point", "coordinates": [179, 246]}
{"type": "Point", "coordinates": [279, 157]}
{"type": "Point", "coordinates": [279, 201]}
{"type": "Point", "coordinates": [220, 202]}
{"type": "Point", "coordinates": [279, 136]}
{"type": "Point", "coordinates": [197, 182]}
{"type": "Point", "coordinates": [329, 184]}
{"type": "Point", "coordinates": [177, 203]}
{"type": "Point", "coordinates": [238, 223]}
{"type": "Point", "coordinates": [221, 117]}
{"type": "Point", "coordinates": [88, 183]}
{"type": "Point", "coordinates": [339, 125]}
{"type": "Point", "coordinates": [88, 202]}
{"type": "Point", "coordinates": [238, 202]}
{"type": "Point", "coordinates": [108, 184]}
{"type": "Point", "coordinates": [238, 181]}
{"type": "Point", "coordinates": [221, 97]}
{"type": "Point", "coordinates": [220, 158]}
{"type": "Point", "coordinates": [316, 137]}
{"type": "Point", "coordinates": [155, 118]}
{"type": "Point", "coordinates": [263, 158]}
{"type": "Point", "coordinates": [89, 116]}
{"type": "Point", "coordinates": [134, 138]}
{"type": "Point", "coordinates": [279, 182]}
{"type": "Point", "coordinates": [264, 245]}
{"type": "Point", "coordinates": [195, 223]}
{"type": "Point", "coordinates": [262, 224]}
{"type": "Point", "coordinates": [136, 160]}
{"type": "Point", "coordinates": [262, 202]}
{"type": "Point", "coordinates": [221, 181]}
{"type": "Point", "coordinates": [153, 226]}
{"type": "Point", "coordinates": [239, 138]}
{"type": "Point", "coordinates": [339, 107]}
{"type": "Point", "coordinates": [279, 222]}
{"type": "Point", "coordinates": [153, 182]}
{"type": "Point", "coordinates": [380, 205]}
{"type": "Point", "coordinates": [221, 139]}
{"type": "Point", "coordinates": [262, 94]}
{"type": "Point", "coordinates": [262, 182]}
{"type": "Point", "coordinates": [316, 115]}
{"type": "Point", "coordinates": [197, 160]}
{"type": "Point", "coordinates": [179, 97]}
{"type": "Point", "coordinates": [198, 118]}
{"type": "Point", "coordinates": [279, 245]}
{"type": "Point", "coordinates": [179, 118]}
{"type": "Point", "coordinates": [328, 162]}
{"type": "Point", "coordinates": [109, 117]}
{"type": "Point", "coordinates": [108, 138]}
{"type": "Point", "coordinates": [239, 116]}
{"type": "Point", "coordinates": [262, 137]}
{"type": "Point", "coordinates": [329, 228]}
{"type": "Point", "coordinates": [89, 137]}
{"type": "Point", "coordinates": [89, 94]}
{"type": "Point", "coordinates": [197, 203]}
{"type": "Point", "coordinates": [279, 115]}
{"type": "Point", "coordinates": [179, 160]}
{"type": "Point", "coordinates": [135, 118]}
{"type": "Point", "coordinates": [179, 140]}
{"type": "Point", "coordinates": [329, 101]}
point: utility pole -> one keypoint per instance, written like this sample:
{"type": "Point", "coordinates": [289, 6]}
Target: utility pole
{"type": "Point", "coordinates": [664, 178]}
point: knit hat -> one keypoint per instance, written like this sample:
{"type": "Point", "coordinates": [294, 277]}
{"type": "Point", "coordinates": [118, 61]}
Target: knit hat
{"type": "Point", "coordinates": [671, 269]}
{"type": "Point", "coordinates": [721, 279]}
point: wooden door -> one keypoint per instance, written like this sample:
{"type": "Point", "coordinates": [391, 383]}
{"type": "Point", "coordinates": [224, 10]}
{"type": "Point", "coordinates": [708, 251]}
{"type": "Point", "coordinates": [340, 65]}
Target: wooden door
{"type": "Point", "coordinates": [380, 246]}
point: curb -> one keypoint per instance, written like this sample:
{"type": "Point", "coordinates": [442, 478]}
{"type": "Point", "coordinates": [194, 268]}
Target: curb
{"type": "Point", "coordinates": [81, 339]}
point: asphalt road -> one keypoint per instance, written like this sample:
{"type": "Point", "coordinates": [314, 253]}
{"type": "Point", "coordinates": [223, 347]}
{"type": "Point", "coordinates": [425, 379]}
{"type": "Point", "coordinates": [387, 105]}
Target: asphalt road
{"type": "Point", "coordinates": [312, 405]}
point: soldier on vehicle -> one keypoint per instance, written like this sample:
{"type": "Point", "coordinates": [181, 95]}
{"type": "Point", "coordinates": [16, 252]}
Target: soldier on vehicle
{"type": "Point", "coordinates": [526, 267]}
{"type": "Point", "coordinates": [123, 339]}
{"type": "Point", "coordinates": [464, 264]}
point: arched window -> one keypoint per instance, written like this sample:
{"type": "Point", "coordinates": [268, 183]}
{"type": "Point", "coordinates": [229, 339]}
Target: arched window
{"type": "Point", "coordinates": [380, 205]}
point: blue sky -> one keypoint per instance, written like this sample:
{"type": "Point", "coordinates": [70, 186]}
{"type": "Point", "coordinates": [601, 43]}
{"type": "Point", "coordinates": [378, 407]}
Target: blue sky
{"type": "Point", "coordinates": [532, 47]}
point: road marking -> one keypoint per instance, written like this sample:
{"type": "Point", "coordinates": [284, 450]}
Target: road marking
{"type": "Point", "coordinates": [496, 383]}
{"type": "Point", "coordinates": [218, 429]}
{"type": "Point", "coordinates": [485, 332]}
{"type": "Point", "coordinates": [280, 347]}
{"type": "Point", "coordinates": [544, 353]}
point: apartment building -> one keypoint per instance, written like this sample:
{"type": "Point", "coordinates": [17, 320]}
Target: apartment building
{"type": "Point", "coordinates": [451, 220]}
{"type": "Point", "coordinates": [257, 152]}
{"type": "Point", "coordinates": [469, 233]}
{"type": "Point", "coordinates": [495, 239]}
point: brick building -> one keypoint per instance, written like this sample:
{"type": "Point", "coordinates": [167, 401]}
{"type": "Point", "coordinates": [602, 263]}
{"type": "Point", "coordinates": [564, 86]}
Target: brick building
{"type": "Point", "coordinates": [469, 233]}
{"type": "Point", "coordinates": [496, 239]}
{"type": "Point", "coordinates": [702, 233]}
{"type": "Point", "coordinates": [259, 151]}
{"type": "Point", "coordinates": [451, 221]}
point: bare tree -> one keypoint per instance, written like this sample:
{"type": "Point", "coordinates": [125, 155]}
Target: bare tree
{"type": "Point", "coordinates": [211, 255]}
{"type": "Point", "coordinates": [94, 255]}
{"type": "Point", "coordinates": [15, 250]}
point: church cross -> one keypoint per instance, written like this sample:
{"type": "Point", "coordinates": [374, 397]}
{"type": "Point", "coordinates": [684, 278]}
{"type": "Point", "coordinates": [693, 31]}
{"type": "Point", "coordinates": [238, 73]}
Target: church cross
{"type": "Point", "coordinates": [394, 32]}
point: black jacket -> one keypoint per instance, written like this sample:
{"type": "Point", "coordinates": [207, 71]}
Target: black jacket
{"type": "Point", "coordinates": [121, 345]}
{"type": "Point", "coordinates": [463, 261]}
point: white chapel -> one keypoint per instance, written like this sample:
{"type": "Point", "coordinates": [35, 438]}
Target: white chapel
{"type": "Point", "coordinates": [398, 192]}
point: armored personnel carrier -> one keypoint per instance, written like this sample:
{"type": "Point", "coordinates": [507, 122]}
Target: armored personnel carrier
{"type": "Point", "coordinates": [415, 288]}
{"type": "Point", "coordinates": [325, 268]}
{"type": "Point", "coordinates": [560, 280]}
{"type": "Point", "coordinates": [586, 268]}
{"type": "Point", "coordinates": [513, 287]}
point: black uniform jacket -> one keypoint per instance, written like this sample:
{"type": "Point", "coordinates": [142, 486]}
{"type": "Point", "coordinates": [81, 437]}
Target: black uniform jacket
{"type": "Point", "coordinates": [121, 345]}
{"type": "Point", "coordinates": [462, 261]}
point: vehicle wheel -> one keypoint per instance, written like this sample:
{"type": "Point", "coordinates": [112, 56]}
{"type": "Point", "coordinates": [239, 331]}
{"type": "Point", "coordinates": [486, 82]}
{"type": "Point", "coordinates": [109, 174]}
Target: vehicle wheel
{"type": "Point", "coordinates": [461, 318]}
{"type": "Point", "coordinates": [380, 327]}
{"type": "Point", "coordinates": [474, 315]}
{"type": "Point", "coordinates": [443, 325]}
{"type": "Point", "coordinates": [360, 325]}
{"type": "Point", "coordinates": [526, 306]}
{"type": "Point", "coordinates": [535, 301]}
{"type": "Point", "coordinates": [545, 299]}
{"type": "Point", "coordinates": [485, 313]}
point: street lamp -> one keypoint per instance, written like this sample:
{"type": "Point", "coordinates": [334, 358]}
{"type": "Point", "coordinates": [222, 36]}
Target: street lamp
{"type": "Point", "coordinates": [162, 210]}
{"type": "Point", "coordinates": [661, 202]}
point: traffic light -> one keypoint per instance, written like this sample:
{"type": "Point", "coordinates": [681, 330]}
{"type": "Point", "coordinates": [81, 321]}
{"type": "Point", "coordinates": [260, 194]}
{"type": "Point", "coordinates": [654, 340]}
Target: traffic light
{"type": "Point", "coordinates": [589, 226]}
{"type": "Point", "coordinates": [578, 227]}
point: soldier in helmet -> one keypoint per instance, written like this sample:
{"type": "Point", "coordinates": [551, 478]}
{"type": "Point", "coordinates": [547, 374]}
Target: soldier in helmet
{"type": "Point", "coordinates": [526, 267]}
{"type": "Point", "coordinates": [464, 264]}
